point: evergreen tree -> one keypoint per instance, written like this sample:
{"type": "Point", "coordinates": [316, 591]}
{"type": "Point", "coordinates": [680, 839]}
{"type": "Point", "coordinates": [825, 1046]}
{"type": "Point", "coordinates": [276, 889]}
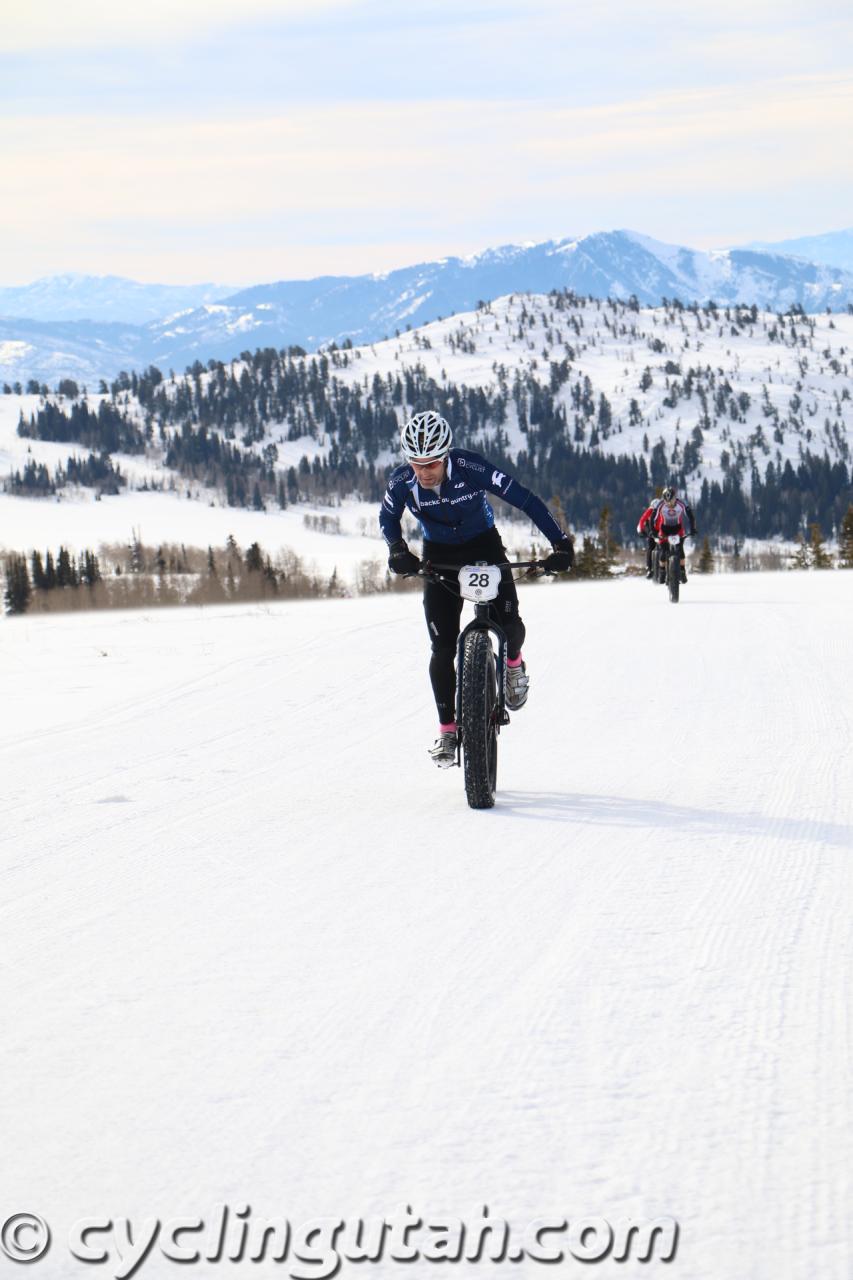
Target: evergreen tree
{"type": "Point", "coordinates": [597, 555]}
{"type": "Point", "coordinates": [586, 560]}
{"type": "Point", "coordinates": [39, 576]}
{"type": "Point", "coordinates": [800, 558]}
{"type": "Point", "coordinates": [254, 559]}
{"type": "Point", "coordinates": [705, 563]}
{"type": "Point", "coordinates": [66, 571]}
{"type": "Point", "coordinates": [90, 570]}
{"type": "Point", "coordinates": [18, 590]}
{"type": "Point", "coordinates": [817, 551]}
{"type": "Point", "coordinates": [845, 558]}
{"type": "Point", "coordinates": [137, 554]}
{"type": "Point", "coordinates": [607, 545]}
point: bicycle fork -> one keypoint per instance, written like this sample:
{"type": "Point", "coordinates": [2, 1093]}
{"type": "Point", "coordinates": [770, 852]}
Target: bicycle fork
{"type": "Point", "coordinates": [482, 622]}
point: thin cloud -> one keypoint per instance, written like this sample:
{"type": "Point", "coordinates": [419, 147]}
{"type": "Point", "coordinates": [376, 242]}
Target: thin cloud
{"type": "Point", "coordinates": [44, 24]}
{"type": "Point", "coordinates": [272, 55]}
{"type": "Point", "coordinates": [412, 173]}
{"type": "Point", "coordinates": [812, 109]}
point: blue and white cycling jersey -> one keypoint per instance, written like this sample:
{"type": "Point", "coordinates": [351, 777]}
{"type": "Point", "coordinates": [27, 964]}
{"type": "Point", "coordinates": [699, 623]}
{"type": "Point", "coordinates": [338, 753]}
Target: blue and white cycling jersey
{"type": "Point", "coordinates": [460, 510]}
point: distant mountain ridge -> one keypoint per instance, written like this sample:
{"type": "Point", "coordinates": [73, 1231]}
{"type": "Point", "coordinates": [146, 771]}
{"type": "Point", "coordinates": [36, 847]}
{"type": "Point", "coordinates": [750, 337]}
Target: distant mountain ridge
{"type": "Point", "coordinates": [833, 248]}
{"type": "Point", "coordinates": [311, 313]}
{"type": "Point", "coordinates": [103, 299]}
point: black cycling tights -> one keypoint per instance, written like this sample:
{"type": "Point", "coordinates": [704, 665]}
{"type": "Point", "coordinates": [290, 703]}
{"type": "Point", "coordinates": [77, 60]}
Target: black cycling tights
{"type": "Point", "coordinates": [443, 609]}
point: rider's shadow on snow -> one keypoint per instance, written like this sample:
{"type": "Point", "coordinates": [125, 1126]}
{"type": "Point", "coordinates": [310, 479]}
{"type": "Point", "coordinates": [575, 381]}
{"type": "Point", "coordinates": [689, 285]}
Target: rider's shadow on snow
{"type": "Point", "coordinates": [617, 811]}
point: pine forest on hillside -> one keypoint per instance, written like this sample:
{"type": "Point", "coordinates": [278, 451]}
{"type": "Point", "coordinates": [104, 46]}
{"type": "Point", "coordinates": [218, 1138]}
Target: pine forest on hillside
{"type": "Point", "coordinates": [592, 403]}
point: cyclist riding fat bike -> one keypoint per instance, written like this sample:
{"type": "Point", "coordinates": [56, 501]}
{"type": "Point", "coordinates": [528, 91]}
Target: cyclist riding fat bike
{"type": "Point", "coordinates": [644, 526]}
{"type": "Point", "coordinates": [667, 515]}
{"type": "Point", "coordinates": [445, 489]}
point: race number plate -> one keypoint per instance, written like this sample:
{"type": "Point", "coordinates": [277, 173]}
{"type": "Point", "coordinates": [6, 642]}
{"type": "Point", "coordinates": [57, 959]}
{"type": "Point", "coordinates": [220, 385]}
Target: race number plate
{"type": "Point", "coordinates": [673, 539]}
{"type": "Point", "coordinates": [479, 581]}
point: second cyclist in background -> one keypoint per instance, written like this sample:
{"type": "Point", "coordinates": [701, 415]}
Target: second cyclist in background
{"type": "Point", "coordinates": [678, 518]}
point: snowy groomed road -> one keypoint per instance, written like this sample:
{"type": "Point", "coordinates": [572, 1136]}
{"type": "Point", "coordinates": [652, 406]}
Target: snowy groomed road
{"type": "Point", "coordinates": [257, 950]}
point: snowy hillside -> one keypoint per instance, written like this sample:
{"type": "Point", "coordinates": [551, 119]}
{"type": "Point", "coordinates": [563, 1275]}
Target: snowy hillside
{"type": "Point", "coordinates": [715, 397]}
{"type": "Point", "coordinates": [803, 362]}
{"type": "Point", "coordinates": [78, 518]}
{"type": "Point", "coordinates": [259, 952]}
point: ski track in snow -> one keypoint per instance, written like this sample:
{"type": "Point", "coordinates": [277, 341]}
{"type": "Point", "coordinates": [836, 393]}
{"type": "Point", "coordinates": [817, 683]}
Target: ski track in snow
{"type": "Point", "coordinates": [257, 949]}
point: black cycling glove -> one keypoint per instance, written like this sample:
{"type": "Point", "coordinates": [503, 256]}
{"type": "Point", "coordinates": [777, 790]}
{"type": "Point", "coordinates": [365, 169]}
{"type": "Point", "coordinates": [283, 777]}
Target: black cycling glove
{"type": "Point", "coordinates": [561, 559]}
{"type": "Point", "coordinates": [401, 559]}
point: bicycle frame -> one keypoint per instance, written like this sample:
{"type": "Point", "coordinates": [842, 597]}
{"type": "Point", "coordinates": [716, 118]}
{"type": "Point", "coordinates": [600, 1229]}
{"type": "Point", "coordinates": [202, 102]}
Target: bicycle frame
{"type": "Point", "coordinates": [480, 622]}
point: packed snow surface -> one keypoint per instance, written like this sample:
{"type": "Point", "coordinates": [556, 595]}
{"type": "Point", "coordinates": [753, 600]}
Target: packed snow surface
{"type": "Point", "coordinates": [259, 951]}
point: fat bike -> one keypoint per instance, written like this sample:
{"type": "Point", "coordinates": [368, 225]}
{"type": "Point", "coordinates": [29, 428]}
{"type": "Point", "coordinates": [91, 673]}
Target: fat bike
{"type": "Point", "coordinates": [481, 654]}
{"type": "Point", "coordinates": [667, 563]}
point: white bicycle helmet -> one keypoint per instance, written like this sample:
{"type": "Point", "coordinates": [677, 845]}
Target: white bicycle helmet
{"type": "Point", "coordinates": [426, 435]}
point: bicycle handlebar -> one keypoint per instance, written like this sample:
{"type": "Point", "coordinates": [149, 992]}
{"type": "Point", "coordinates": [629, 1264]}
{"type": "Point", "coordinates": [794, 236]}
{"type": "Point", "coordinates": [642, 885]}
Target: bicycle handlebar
{"type": "Point", "coordinates": [504, 564]}
{"type": "Point", "coordinates": [433, 572]}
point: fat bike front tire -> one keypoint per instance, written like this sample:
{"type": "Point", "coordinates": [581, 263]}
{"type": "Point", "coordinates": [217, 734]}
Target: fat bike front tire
{"type": "Point", "coordinates": [479, 728]}
{"type": "Point", "coordinates": [673, 578]}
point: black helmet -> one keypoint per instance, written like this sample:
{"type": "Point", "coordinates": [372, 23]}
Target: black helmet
{"type": "Point", "coordinates": [668, 493]}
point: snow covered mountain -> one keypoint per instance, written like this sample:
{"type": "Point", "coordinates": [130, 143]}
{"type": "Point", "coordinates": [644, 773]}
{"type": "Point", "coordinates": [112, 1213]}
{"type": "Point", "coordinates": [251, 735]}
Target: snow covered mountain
{"type": "Point", "coordinates": [105, 299]}
{"type": "Point", "coordinates": [835, 248]}
{"type": "Point", "coordinates": [84, 350]}
{"type": "Point", "coordinates": [368, 308]}
{"type": "Point", "coordinates": [612, 264]}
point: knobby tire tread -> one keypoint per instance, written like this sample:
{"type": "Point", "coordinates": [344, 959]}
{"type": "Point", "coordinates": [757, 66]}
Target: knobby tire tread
{"type": "Point", "coordinates": [478, 731]}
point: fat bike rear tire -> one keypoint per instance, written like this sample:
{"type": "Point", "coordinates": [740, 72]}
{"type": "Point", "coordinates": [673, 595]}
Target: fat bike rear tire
{"type": "Point", "coordinates": [479, 728]}
{"type": "Point", "coordinates": [673, 578]}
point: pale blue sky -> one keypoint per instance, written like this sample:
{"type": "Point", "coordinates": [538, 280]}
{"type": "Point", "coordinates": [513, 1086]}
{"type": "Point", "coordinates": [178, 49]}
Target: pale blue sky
{"type": "Point", "coordinates": [182, 140]}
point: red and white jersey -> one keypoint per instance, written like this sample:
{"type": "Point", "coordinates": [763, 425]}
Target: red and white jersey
{"type": "Point", "coordinates": [671, 516]}
{"type": "Point", "coordinates": [644, 524]}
